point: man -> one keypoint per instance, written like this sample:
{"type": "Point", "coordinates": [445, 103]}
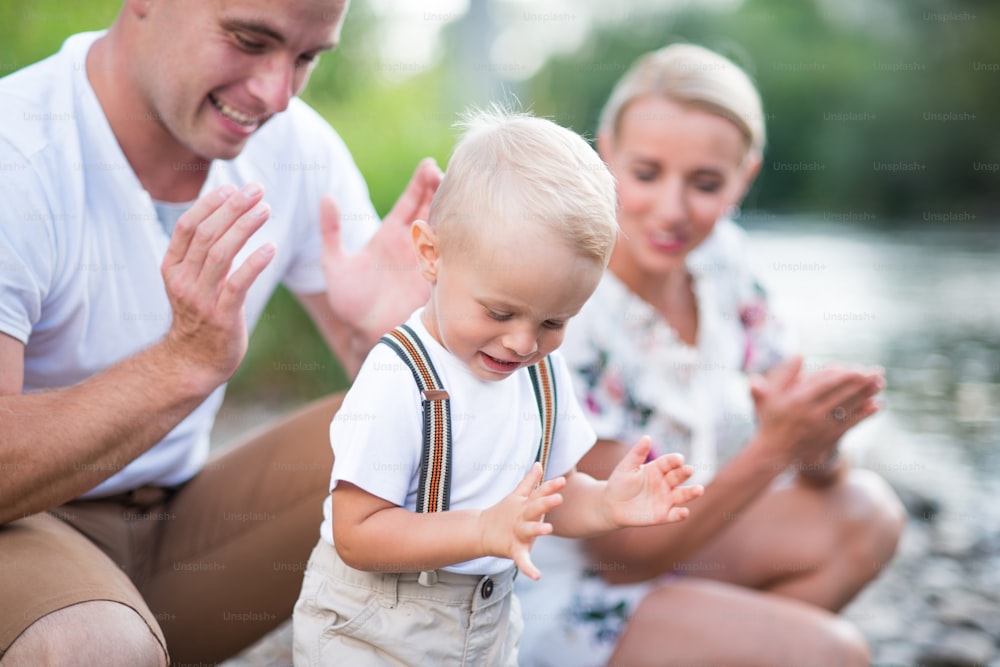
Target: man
{"type": "Point", "coordinates": [124, 310]}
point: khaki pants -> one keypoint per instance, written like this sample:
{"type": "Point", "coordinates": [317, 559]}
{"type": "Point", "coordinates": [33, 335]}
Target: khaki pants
{"type": "Point", "coordinates": [210, 566]}
{"type": "Point", "coordinates": [349, 617]}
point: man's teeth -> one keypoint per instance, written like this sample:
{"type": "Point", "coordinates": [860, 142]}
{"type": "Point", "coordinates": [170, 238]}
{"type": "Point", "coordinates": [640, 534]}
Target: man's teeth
{"type": "Point", "coordinates": [233, 114]}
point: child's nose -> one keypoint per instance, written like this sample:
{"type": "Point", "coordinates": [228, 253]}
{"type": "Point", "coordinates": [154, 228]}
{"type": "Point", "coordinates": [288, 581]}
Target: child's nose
{"type": "Point", "coordinates": [521, 342]}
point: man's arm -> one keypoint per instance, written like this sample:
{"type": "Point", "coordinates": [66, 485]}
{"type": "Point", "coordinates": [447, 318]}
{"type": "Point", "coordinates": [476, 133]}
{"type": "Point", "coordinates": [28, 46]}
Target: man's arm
{"type": "Point", "coordinates": [371, 291]}
{"type": "Point", "coordinates": [56, 445]}
{"type": "Point", "coordinates": [348, 342]}
{"type": "Point", "coordinates": [59, 444]}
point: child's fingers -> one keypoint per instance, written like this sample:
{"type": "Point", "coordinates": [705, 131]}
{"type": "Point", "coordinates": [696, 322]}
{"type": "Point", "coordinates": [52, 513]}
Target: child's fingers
{"type": "Point", "coordinates": [528, 483]}
{"type": "Point", "coordinates": [636, 456]}
{"type": "Point", "coordinates": [533, 477]}
{"type": "Point", "coordinates": [548, 487]}
{"type": "Point", "coordinates": [529, 529]}
{"type": "Point", "coordinates": [685, 494]}
{"type": "Point", "coordinates": [536, 508]}
{"type": "Point", "coordinates": [677, 514]}
{"type": "Point", "coordinates": [669, 462]}
{"type": "Point", "coordinates": [678, 476]}
{"type": "Point", "coordinates": [522, 558]}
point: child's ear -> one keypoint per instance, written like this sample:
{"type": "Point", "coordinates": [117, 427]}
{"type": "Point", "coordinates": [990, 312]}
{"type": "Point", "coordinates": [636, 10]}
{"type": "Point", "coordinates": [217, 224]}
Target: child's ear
{"type": "Point", "coordinates": [425, 245]}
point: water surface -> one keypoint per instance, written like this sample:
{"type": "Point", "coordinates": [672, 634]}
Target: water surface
{"type": "Point", "coordinates": [925, 304]}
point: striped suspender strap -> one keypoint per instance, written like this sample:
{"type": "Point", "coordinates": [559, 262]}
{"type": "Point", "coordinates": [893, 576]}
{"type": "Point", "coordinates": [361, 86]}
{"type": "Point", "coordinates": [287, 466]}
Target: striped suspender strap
{"type": "Point", "coordinates": [544, 384]}
{"type": "Point", "coordinates": [434, 492]}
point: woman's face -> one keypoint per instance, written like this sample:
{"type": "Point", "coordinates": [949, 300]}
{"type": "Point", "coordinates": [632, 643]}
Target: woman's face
{"type": "Point", "coordinates": [679, 170]}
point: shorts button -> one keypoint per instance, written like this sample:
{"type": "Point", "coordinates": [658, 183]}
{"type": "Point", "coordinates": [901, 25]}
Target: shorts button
{"type": "Point", "coordinates": [487, 589]}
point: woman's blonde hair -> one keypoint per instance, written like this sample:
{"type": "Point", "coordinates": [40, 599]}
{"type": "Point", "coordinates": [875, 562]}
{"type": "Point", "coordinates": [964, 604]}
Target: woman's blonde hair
{"type": "Point", "coordinates": [513, 172]}
{"type": "Point", "coordinates": [690, 75]}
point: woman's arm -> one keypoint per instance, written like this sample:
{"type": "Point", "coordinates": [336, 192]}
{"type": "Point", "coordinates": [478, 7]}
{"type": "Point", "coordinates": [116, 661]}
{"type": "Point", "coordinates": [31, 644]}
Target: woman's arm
{"type": "Point", "coordinates": [646, 552]}
{"type": "Point", "coordinates": [796, 421]}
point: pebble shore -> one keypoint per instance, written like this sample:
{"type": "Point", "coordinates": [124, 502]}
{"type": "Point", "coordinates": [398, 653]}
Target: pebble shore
{"type": "Point", "coordinates": [936, 605]}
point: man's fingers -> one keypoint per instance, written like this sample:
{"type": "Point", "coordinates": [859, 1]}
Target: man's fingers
{"type": "Point", "coordinates": [235, 290]}
{"type": "Point", "coordinates": [219, 258]}
{"type": "Point", "coordinates": [208, 230]}
{"type": "Point", "coordinates": [329, 227]}
{"type": "Point", "coordinates": [184, 229]}
{"type": "Point", "coordinates": [415, 201]}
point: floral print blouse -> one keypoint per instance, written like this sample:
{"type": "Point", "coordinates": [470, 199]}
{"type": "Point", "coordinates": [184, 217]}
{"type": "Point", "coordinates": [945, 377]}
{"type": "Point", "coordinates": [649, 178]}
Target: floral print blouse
{"type": "Point", "coordinates": [634, 376]}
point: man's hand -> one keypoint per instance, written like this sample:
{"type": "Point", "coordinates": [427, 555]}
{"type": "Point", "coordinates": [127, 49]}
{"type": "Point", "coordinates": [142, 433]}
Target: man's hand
{"type": "Point", "coordinates": [376, 288]}
{"type": "Point", "coordinates": [208, 331]}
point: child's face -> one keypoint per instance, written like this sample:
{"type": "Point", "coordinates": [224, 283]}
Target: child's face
{"type": "Point", "coordinates": [501, 305]}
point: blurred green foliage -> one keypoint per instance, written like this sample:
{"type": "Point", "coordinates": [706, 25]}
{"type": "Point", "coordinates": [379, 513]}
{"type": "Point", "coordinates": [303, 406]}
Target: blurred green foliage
{"type": "Point", "coordinates": [882, 111]}
{"type": "Point", "coordinates": [848, 86]}
{"type": "Point", "coordinates": [30, 31]}
{"type": "Point", "coordinates": [385, 124]}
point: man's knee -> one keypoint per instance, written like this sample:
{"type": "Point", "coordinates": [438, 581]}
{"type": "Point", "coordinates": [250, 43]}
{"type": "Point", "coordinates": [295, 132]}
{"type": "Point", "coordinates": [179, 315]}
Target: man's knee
{"type": "Point", "coordinates": [90, 633]}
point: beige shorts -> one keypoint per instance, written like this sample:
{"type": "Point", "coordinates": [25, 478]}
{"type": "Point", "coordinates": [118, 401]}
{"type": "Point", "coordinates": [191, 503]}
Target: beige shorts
{"type": "Point", "coordinates": [349, 617]}
{"type": "Point", "coordinates": [210, 567]}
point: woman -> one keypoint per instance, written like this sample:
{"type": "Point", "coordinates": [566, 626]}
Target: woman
{"type": "Point", "coordinates": [786, 533]}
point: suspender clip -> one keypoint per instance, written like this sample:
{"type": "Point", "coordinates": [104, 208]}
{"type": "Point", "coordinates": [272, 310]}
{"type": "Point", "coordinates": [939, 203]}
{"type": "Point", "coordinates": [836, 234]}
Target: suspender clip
{"type": "Point", "coordinates": [435, 395]}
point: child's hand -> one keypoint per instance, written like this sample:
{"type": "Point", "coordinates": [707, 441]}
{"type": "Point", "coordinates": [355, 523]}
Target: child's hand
{"type": "Point", "coordinates": [642, 494]}
{"type": "Point", "coordinates": [510, 528]}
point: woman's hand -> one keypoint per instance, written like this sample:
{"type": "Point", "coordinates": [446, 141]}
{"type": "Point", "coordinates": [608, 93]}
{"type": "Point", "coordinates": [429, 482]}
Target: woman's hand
{"type": "Point", "coordinates": [802, 417]}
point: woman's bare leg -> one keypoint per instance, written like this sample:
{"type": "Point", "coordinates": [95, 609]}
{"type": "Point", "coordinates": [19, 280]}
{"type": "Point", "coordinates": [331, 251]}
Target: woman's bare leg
{"type": "Point", "coordinates": [817, 545]}
{"type": "Point", "coordinates": [706, 623]}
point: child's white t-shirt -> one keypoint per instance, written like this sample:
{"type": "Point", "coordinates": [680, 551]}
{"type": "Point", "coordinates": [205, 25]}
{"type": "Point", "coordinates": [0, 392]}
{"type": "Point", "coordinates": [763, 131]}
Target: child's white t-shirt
{"type": "Point", "coordinates": [377, 436]}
